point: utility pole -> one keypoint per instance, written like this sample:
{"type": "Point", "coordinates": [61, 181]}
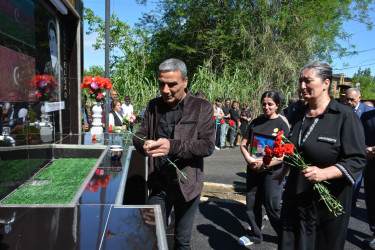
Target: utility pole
{"type": "Point", "coordinates": [106, 60]}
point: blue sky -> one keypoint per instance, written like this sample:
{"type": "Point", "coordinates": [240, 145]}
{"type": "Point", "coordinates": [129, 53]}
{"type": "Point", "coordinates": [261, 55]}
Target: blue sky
{"type": "Point", "coordinates": [129, 11]}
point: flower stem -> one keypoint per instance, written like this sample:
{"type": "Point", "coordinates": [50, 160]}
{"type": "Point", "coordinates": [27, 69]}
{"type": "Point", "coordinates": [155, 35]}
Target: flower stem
{"type": "Point", "coordinates": [331, 202]}
{"type": "Point", "coordinates": [182, 173]}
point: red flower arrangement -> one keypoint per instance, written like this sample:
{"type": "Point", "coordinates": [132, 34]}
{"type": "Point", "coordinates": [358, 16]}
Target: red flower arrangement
{"type": "Point", "coordinates": [96, 86]}
{"type": "Point", "coordinates": [98, 180]}
{"type": "Point", "coordinates": [45, 85]}
{"type": "Point", "coordinates": [287, 149]}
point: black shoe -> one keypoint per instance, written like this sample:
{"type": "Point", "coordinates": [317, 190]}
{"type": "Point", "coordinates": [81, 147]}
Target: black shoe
{"type": "Point", "coordinates": [223, 148]}
{"type": "Point", "coordinates": [231, 146]}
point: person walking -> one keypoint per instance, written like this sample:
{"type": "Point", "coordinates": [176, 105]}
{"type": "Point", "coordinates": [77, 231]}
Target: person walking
{"type": "Point", "coordinates": [224, 125]}
{"type": "Point", "coordinates": [353, 100]}
{"type": "Point", "coordinates": [218, 116]}
{"type": "Point", "coordinates": [235, 116]}
{"type": "Point", "coordinates": [330, 138]}
{"type": "Point", "coordinates": [177, 127]}
{"type": "Point", "coordinates": [368, 121]}
{"type": "Point", "coordinates": [261, 189]}
{"type": "Point", "coordinates": [245, 118]}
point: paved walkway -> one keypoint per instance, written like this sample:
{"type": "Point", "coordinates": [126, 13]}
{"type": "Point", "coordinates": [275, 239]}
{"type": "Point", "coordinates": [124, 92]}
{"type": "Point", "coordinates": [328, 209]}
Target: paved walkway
{"type": "Point", "coordinates": [219, 222]}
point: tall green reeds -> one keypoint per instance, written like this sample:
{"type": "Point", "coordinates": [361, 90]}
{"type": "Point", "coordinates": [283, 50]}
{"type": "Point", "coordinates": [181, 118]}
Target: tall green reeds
{"type": "Point", "coordinates": [240, 83]}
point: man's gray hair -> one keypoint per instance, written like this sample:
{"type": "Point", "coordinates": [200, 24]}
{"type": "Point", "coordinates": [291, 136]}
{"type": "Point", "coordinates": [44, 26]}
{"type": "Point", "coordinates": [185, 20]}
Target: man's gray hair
{"type": "Point", "coordinates": [354, 90]}
{"type": "Point", "coordinates": [323, 70]}
{"type": "Point", "coordinates": [173, 64]}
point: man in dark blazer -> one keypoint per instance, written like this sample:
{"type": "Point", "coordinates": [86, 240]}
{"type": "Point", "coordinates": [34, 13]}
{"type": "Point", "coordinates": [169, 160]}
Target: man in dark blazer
{"type": "Point", "coordinates": [179, 128]}
{"type": "Point", "coordinates": [353, 98]}
{"type": "Point", "coordinates": [368, 121]}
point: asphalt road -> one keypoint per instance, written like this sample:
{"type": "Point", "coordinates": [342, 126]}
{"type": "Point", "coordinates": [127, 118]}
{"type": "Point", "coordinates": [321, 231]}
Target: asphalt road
{"type": "Point", "coordinates": [219, 222]}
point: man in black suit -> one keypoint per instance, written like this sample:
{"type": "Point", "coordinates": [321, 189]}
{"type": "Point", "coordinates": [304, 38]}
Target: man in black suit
{"type": "Point", "coordinates": [368, 121]}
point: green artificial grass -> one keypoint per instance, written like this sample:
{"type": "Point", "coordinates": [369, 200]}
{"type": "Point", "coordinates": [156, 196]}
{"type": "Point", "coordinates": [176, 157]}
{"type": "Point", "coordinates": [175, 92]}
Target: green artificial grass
{"type": "Point", "coordinates": [62, 180]}
{"type": "Point", "coordinates": [14, 172]}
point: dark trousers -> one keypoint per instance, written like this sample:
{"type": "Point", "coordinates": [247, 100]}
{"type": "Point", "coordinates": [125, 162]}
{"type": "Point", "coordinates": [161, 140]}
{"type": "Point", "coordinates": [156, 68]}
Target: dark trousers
{"type": "Point", "coordinates": [300, 228]}
{"type": "Point", "coordinates": [262, 189]}
{"type": "Point", "coordinates": [370, 202]}
{"type": "Point", "coordinates": [168, 196]}
{"type": "Point", "coordinates": [356, 188]}
{"type": "Point", "coordinates": [217, 135]}
{"type": "Point", "coordinates": [232, 134]}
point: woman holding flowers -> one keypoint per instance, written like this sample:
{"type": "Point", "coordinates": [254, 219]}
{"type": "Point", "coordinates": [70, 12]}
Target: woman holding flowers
{"type": "Point", "coordinates": [115, 118]}
{"type": "Point", "coordinates": [261, 188]}
{"type": "Point", "coordinates": [329, 137]}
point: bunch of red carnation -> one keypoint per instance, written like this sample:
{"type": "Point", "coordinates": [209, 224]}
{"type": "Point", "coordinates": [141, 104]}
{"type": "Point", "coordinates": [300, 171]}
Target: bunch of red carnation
{"type": "Point", "coordinates": [279, 149]}
{"type": "Point", "coordinates": [45, 86]}
{"type": "Point", "coordinates": [96, 86]}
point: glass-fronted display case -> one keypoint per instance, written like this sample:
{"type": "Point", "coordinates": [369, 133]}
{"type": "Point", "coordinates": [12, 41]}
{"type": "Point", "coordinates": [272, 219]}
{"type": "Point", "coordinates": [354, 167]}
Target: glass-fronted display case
{"type": "Point", "coordinates": [97, 202]}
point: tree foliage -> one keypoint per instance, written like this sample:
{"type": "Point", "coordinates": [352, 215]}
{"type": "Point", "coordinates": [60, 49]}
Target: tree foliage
{"type": "Point", "coordinates": [232, 48]}
{"type": "Point", "coordinates": [94, 71]}
{"type": "Point", "coordinates": [367, 83]}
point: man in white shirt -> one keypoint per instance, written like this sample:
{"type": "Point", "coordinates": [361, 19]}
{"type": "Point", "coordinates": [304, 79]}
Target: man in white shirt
{"type": "Point", "coordinates": [127, 110]}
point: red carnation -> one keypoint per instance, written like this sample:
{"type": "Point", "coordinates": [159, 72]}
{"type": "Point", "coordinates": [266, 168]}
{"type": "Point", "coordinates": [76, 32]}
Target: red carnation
{"type": "Point", "coordinates": [110, 129]}
{"type": "Point", "coordinates": [266, 160]}
{"type": "Point", "coordinates": [214, 117]}
{"type": "Point", "coordinates": [268, 151]}
{"type": "Point", "coordinates": [277, 144]}
{"type": "Point", "coordinates": [222, 122]}
{"type": "Point", "coordinates": [288, 148]}
{"type": "Point", "coordinates": [231, 123]}
{"type": "Point", "coordinates": [95, 187]}
{"type": "Point", "coordinates": [278, 151]}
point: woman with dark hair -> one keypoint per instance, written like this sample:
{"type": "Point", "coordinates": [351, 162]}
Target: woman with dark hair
{"type": "Point", "coordinates": [235, 116]}
{"type": "Point", "coordinates": [261, 189]}
{"type": "Point", "coordinates": [245, 118]}
{"type": "Point", "coordinates": [330, 138]}
{"type": "Point", "coordinates": [115, 118]}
